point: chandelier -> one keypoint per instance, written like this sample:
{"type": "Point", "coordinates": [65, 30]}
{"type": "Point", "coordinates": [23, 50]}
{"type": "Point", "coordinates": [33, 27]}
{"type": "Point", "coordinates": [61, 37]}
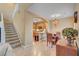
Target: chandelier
{"type": "Point", "coordinates": [55, 22]}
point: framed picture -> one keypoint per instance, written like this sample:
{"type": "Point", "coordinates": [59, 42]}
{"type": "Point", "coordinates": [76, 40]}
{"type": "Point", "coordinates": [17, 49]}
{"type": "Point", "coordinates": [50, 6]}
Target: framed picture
{"type": "Point", "coordinates": [75, 17]}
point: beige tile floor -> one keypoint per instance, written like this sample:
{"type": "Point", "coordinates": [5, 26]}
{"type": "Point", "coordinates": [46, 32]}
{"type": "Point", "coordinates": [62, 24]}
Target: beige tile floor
{"type": "Point", "coordinates": [38, 49]}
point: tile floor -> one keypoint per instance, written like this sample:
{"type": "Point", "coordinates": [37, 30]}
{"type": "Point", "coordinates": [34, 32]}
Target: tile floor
{"type": "Point", "coordinates": [38, 49]}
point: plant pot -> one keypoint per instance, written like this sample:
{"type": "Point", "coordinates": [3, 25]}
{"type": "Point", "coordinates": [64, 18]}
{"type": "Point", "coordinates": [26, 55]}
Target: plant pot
{"type": "Point", "coordinates": [70, 42]}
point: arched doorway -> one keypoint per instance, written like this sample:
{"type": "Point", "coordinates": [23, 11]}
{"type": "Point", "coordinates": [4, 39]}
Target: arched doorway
{"type": "Point", "coordinates": [39, 29]}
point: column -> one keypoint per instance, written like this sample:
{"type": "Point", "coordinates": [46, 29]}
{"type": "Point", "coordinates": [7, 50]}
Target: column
{"type": "Point", "coordinates": [28, 30]}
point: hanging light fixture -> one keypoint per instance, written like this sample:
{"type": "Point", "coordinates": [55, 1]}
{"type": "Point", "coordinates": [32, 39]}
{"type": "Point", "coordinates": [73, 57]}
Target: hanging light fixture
{"type": "Point", "coordinates": [55, 22]}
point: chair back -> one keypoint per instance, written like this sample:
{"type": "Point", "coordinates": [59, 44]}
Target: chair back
{"type": "Point", "coordinates": [49, 36]}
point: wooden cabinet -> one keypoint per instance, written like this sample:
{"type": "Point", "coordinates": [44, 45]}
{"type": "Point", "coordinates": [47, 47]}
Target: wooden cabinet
{"type": "Point", "coordinates": [65, 50]}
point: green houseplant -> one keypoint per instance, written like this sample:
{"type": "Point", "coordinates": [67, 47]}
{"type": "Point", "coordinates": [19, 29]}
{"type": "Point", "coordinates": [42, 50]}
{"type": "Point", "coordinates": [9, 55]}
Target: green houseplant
{"type": "Point", "coordinates": [70, 34]}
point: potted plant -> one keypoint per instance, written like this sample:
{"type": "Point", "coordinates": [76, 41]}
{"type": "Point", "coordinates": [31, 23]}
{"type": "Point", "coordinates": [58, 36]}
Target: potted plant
{"type": "Point", "coordinates": [70, 35]}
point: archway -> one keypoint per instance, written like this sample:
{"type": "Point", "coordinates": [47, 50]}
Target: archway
{"type": "Point", "coordinates": [39, 29]}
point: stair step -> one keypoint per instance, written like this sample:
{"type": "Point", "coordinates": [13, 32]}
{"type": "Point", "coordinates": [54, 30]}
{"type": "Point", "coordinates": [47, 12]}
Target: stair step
{"type": "Point", "coordinates": [7, 23]}
{"type": "Point", "coordinates": [6, 20]}
{"type": "Point", "coordinates": [11, 36]}
{"type": "Point", "coordinates": [11, 39]}
{"type": "Point", "coordinates": [14, 41]}
{"type": "Point", "coordinates": [9, 30]}
{"type": "Point", "coordinates": [6, 27]}
{"type": "Point", "coordinates": [11, 33]}
{"type": "Point", "coordinates": [16, 45]}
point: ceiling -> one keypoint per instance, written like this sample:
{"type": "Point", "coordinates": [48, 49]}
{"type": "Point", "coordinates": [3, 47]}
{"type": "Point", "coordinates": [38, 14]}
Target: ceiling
{"type": "Point", "coordinates": [52, 10]}
{"type": "Point", "coordinates": [45, 10]}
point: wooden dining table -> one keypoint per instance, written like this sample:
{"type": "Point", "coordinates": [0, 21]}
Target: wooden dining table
{"type": "Point", "coordinates": [62, 49]}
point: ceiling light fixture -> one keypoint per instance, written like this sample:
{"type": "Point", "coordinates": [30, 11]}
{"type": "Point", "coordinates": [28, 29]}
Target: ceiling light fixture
{"type": "Point", "coordinates": [54, 18]}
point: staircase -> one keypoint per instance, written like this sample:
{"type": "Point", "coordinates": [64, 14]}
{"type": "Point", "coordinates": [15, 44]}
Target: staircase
{"type": "Point", "coordinates": [11, 35]}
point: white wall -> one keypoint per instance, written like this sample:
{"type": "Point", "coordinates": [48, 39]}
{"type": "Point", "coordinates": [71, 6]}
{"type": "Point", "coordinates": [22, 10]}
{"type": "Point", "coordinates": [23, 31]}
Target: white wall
{"type": "Point", "coordinates": [19, 20]}
{"type": "Point", "coordinates": [49, 26]}
{"type": "Point", "coordinates": [29, 28]}
{"type": "Point", "coordinates": [63, 23]}
{"type": "Point", "coordinates": [23, 22]}
{"type": "Point", "coordinates": [19, 23]}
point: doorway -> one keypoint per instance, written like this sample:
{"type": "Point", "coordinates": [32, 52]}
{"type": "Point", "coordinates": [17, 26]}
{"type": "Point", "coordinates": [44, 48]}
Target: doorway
{"type": "Point", "coordinates": [39, 30]}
